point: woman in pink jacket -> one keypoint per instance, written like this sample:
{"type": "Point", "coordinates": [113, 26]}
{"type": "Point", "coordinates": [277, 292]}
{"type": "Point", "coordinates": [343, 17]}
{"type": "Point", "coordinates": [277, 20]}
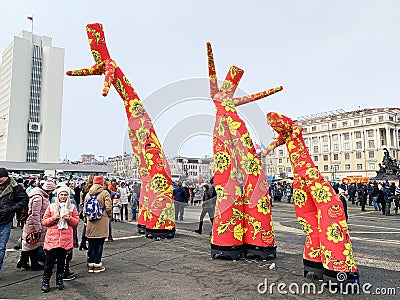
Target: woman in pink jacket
{"type": "Point", "coordinates": [60, 218]}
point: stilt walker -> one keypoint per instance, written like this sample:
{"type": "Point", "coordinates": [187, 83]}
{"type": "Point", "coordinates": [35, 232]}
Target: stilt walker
{"type": "Point", "coordinates": [243, 222]}
{"type": "Point", "coordinates": [156, 206]}
{"type": "Point", "coordinates": [328, 252]}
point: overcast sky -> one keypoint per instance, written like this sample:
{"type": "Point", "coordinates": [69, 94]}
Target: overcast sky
{"type": "Point", "coordinates": [328, 55]}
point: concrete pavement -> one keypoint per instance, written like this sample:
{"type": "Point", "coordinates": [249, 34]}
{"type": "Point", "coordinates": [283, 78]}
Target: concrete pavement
{"type": "Point", "coordinates": [181, 268]}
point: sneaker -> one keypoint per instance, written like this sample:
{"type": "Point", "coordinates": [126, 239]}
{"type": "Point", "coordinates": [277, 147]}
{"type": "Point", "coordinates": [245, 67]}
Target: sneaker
{"type": "Point", "coordinates": [99, 268]}
{"type": "Point", "coordinates": [69, 276]}
{"type": "Point", "coordinates": [110, 239]}
{"type": "Point", "coordinates": [90, 267]}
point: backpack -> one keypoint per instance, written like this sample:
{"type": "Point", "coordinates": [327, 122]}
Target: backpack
{"type": "Point", "coordinates": [93, 209]}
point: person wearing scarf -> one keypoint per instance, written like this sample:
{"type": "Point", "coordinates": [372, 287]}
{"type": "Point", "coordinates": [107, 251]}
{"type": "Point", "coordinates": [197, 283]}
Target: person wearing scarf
{"type": "Point", "coordinates": [60, 218]}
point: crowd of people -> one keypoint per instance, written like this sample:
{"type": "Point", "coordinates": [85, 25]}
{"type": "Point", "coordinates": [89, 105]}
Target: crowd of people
{"type": "Point", "coordinates": [49, 211]}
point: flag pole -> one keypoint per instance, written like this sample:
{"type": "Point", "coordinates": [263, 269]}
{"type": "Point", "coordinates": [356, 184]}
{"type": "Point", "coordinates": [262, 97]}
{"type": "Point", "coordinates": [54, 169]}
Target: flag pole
{"type": "Point", "coordinates": [31, 19]}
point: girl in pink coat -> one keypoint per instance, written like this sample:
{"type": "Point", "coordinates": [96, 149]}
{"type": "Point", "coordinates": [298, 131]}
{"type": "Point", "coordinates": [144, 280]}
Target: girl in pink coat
{"type": "Point", "coordinates": [60, 218]}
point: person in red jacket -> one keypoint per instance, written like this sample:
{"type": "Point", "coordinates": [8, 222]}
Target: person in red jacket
{"type": "Point", "coordinates": [60, 218]}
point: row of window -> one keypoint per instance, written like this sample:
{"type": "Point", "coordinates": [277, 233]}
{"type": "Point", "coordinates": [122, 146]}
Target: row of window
{"type": "Point", "coordinates": [336, 168]}
{"type": "Point", "coordinates": [346, 124]}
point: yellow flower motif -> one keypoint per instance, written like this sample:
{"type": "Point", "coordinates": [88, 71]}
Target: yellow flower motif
{"type": "Point", "coordinates": [350, 259]}
{"type": "Point", "coordinates": [227, 102]}
{"type": "Point", "coordinates": [226, 86]}
{"type": "Point", "coordinates": [167, 215]}
{"type": "Point", "coordinates": [334, 233]}
{"type": "Point", "coordinates": [263, 205]}
{"type": "Point", "coordinates": [313, 173]}
{"type": "Point", "coordinates": [326, 256]}
{"type": "Point", "coordinates": [137, 159]}
{"type": "Point", "coordinates": [246, 140]}
{"type": "Point", "coordinates": [143, 172]}
{"type": "Point", "coordinates": [221, 194]}
{"type": "Point", "coordinates": [251, 164]}
{"type": "Point", "coordinates": [159, 183]}
{"type": "Point", "coordinates": [221, 161]}
{"type": "Point", "coordinates": [291, 146]}
{"type": "Point", "coordinates": [220, 128]}
{"type": "Point", "coordinates": [294, 156]}
{"type": "Point", "coordinates": [149, 162]}
{"type": "Point", "coordinates": [126, 80]}
{"type": "Point", "coordinates": [238, 191]}
{"type": "Point", "coordinates": [238, 232]}
{"type": "Point", "coordinates": [232, 125]}
{"type": "Point", "coordinates": [136, 107]}
{"type": "Point", "coordinates": [142, 134]}
{"type": "Point", "coordinates": [96, 56]}
{"type": "Point", "coordinates": [314, 253]}
{"type": "Point", "coordinates": [321, 192]}
{"type": "Point", "coordinates": [234, 173]}
{"type": "Point", "coordinates": [237, 214]}
{"type": "Point", "coordinates": [305, 226]}
{"type": "Point", "coordinates": [299, 197]}
{"type": "Point", "coordinates": [257, 228]}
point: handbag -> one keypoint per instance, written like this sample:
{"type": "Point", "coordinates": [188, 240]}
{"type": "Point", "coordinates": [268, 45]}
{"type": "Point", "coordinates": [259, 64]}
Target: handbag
{"type": "Point", "coordinates": [33, 237]}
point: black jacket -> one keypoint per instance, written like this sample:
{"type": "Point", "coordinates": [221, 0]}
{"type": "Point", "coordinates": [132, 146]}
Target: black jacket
{"type": "Point", "coordinates": [12, 199]}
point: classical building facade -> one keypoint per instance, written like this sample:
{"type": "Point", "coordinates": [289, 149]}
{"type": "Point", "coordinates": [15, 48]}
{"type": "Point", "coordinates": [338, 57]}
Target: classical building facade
{"type": "Point", "coordinates": [343, 144]}
{"type": "Point", "coordinates": [31, 92]}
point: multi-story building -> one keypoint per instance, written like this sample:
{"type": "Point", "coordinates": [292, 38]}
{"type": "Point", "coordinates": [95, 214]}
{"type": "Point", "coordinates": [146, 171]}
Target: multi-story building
{"type": "Point", "coordinates": [193, 168]}
{"type": "Point", "coordinates": [343, 144]}
{"type": "Point", "coordinates": [31, 91]}
{"type": "Point", "coordinates": [124, 165]}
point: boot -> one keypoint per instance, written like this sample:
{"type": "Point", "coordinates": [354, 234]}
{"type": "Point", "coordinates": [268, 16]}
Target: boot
{"type": "Point", "coordinates": [200, 230]}
{"type": "Point", "coordinates": [23, 261]}
{"type": "Point", "coordinates": [83, 246]}
{"type": "Point", "coordinates": [60, 281]}
{"type": "Point", "coordinates": [34, 255]}
{"type": "Point", "coordinates": [46, 283]}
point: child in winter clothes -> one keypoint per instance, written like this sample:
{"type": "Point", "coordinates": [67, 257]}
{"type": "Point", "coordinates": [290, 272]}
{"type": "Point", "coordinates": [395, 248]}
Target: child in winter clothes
{"type": "Point", "coordinates": [116, 207]}
{"type": "Point", "coordinates": [60, 218]}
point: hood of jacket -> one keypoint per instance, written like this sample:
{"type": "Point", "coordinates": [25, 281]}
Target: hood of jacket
{"type": "Point", "coordinates": [96, 189]}
{"type": "Point", "coordinates": [9, 187]}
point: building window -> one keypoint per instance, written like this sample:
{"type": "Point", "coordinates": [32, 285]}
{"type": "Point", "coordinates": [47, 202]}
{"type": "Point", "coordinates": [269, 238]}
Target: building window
{"type": "Point", "coordinates": [358, 134]}
{"type": "Point", "coordinates": [323, 127]}
{"type": "Point", "coordinates": [305, 130]}
{"type": "Point", "coordinates": [346, 146]}
{"type": "Point", "coordinates": [325, 138]}
{"type": "Point", "coordinates": [336, 168]}
{"type": "Point", "coordinates": [371, 166]}
{"type": "Point", "coordinates": [336, 147]}
{"type": "Point", "coordinates": [316, 149]}
{"type": "Point", "coordinates": [326, 157]}
{"type": "Point", "coordinates": [390, 118]}
{"type": "Point", "coordinates": [368, 120]}
{"type": "Point", "coordinates": [358, 145]}
{"type": "Point", "coordinates": [280, 170]}
{"type": "Point", "coordinates": [315, 140]}
{"type": "Point", "coordinates": [288, 160]}
{"type": "Point", "coordinates": [370, 133]}
{"type": "Point", "coordinates": [280, 152]}
{"type": "Point", "coordinates": [380, 118]}
{"type": "Point", "coordinates": [359, 167]}
{"type": "Point", "coordinates": [371, 144]}
{"type": "Point", "coordinates": [347, 156]}
{"type": "Point", "coordinates": [346, 136]}
{"type": "Point", "coordinates": [335, 156]}
{"type": "Point", "coordinates": [356, 122]}
{"type": "Point", "coordinates": [315, 158]}
{"type": "Point", "coordinates": [334, 125]}
{"type": "Point", "coordinates": [344, 124]}
{"type": "Point", "coordinates": [326, 148]}
{"type": "Point", "coordinates": [347, 167]}
{"type": "Point", "coordinates": [371, 154]}
{"type": "Point", "coordinates": [358, 155]}
{"type": "Point", "coordinates": [326, 168]}
{"type": "Point", "coordinates": [314, 128]}
{"type": "Point", "coordinates": [307, 142]}
{"type": "Point", "coordinates": [279, 160]}
{"type": "Point", "coordinates": [335, 137]}
{"type": "Point", "coordinates": [288, 169]}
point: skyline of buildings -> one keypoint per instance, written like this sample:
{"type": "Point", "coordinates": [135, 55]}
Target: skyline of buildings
{"type": "Point", "coordinates": [31, 93]}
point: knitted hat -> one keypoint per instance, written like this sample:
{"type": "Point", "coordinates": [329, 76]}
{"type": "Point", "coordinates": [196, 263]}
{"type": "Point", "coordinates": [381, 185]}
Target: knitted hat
{"type": "Point", "coordinates": [63, 188]}
{"type": "Point", "coordinates": [98, 180]}
{"type": "Point", "coordinates": [49, 185]}
{"type": "Point", "coordinates": [3, 172]}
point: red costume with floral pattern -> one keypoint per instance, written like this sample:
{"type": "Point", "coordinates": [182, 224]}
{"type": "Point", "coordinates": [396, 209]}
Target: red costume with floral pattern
{"type": "Point", "coordinates": [156, 206]}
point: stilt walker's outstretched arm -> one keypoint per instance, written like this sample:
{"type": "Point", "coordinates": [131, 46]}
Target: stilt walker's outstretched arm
{"type": "Point", "coordinates": [156, 205]}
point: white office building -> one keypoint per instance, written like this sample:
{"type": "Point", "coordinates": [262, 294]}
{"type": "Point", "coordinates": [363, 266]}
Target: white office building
{"type": "Point", "coordinates": [31, 91]}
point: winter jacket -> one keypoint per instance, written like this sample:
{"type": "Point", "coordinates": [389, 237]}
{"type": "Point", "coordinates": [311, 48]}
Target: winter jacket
{"type": "Point", "coordinates": [209, 200]}
{"type": "Point", "coordinates": [12, 199]}
{"type": "Point", "coordinates": [59, 238]}
{"type": "Point", "coordinates": [99, 228]}
{"type": "Point", "coordinates": [38, 203]}
{"type": "Point", "coordinates": [180, 194]}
